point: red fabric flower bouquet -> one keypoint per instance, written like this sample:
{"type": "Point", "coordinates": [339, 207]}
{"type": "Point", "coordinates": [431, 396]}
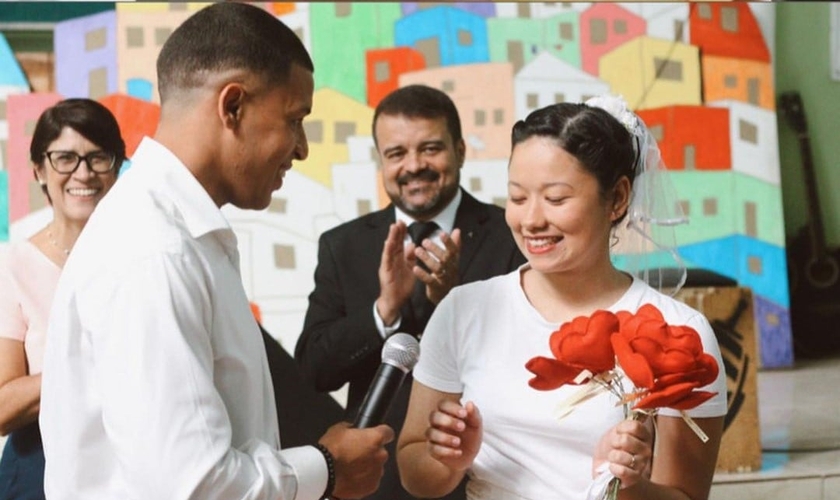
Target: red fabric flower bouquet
{"type": "Point", "coordinates": [666, 364]}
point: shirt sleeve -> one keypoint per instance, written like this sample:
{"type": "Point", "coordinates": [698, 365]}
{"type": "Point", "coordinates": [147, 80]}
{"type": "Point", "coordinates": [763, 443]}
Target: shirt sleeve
{"type": "Point", "coordinates": [12, 322]}
{"type": "Point", "coordinates": [156, 371]}
{"type": "Point", "coordinates": [385, 331]}
{"type": "Point", "coordinates": [437, 367]}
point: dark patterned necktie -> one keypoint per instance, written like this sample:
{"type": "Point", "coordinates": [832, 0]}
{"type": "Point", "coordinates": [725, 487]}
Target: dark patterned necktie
{"type": "Point", "coordinates": [420, 305]}
{"type": "Point", "coordinates": [419, 231]}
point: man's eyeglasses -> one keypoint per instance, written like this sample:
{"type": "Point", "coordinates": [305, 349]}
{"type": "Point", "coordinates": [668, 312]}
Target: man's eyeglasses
{"type": "Point", "coordinates": [66, 162]}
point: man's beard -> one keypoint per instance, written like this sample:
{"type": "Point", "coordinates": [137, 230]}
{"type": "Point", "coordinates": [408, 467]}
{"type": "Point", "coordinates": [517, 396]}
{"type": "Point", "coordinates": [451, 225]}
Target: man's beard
{"type": "Point", "coordinates": [433, 205]}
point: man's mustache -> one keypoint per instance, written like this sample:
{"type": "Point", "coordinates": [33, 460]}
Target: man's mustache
{"type": "Point", "coordinates": [427, 175]}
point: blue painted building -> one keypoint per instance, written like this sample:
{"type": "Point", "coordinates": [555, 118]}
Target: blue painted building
{"type": "Point", "coordinates": [445, 35]}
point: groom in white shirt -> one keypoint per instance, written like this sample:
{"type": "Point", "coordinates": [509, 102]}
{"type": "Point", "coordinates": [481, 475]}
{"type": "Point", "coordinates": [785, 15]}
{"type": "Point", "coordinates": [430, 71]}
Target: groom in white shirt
{"type": "Point", "coordinates": [155, 381]}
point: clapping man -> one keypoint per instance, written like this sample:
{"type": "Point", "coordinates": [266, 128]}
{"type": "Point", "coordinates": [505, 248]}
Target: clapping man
{"type": "Point", "coordinates": [385, 271]}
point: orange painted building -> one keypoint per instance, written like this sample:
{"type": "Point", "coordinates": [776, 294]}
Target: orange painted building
{"type": "Point", "coordinates": [136, 118]}
{"type": "Point", "coordinates": [735, 60]}
{"type": "Point", "coordinates": [691, 137]}
{"type": "Point", "coordinates": [384, 67]}
{"type": "Point", "coordinates": [727, 30]}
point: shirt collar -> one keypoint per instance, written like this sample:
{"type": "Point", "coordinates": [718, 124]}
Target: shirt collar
{"type": "Point", "coordinates": [200, 214]}
{"type": "Point", "coordinates": [445, 219]}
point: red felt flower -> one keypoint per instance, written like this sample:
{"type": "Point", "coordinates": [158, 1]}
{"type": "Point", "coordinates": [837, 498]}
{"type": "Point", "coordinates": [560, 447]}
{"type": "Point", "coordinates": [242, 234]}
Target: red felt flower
{"type": "Point", "coordinates": [581, 344]}
{"type": "Point", "coordinates": [667, 361]}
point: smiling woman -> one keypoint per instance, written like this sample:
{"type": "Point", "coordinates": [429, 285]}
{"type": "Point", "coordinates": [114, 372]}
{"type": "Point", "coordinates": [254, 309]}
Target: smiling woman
{"type": "Point", "coordinates": [76, 154]}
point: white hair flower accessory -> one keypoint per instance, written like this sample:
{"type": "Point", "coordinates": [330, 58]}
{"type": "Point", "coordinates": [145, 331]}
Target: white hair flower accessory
{"type": "Point", "coordinates": [647, 241]}
{"type": "Point", "coordinates": [617, 106]}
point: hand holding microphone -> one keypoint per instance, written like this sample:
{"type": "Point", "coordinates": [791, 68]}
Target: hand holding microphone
{"type": "Point", "coordinates": [359, 454]}
{"type": "Point", "coordinates": [399, 355]}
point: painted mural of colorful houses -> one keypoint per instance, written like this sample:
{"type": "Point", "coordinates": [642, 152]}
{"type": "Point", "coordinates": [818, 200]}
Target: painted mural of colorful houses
{"type": "Point", "coordinates": [603, 27]}
{"type": "Point", "coordinates": [141, 32]}
{"type": "Point", "coordinates": [548, 80]}
{"type": "Point", "coordinates": [664, 20]}
{"type": "Point", "coordinates": [735, 58]}
{"type": "Point", "coordinates": [651, 72]}
{"type": "Point", "coordinates": [537, 10]}
{"type": "Point", "coordinates": [487, 111]}
{"type": "Point", "coordinates": [86, 56]}
{"type": "Point", "coordinates": [384, 67]}
{"type": "Point", "coordinates": [700, 75]}
{"type": "Point", "coordinates": [445, 35]}
{"type": "Point", "coordinates": [691, 137]}
{"type": "Point", "coordinates": [137, 118]}
{"type": "Point", "coordinates": [335, 118]}
{"type": "Point", "coordinates": [278, 251]}
{"type": "Point", "coordinates": [12, 81]}
{"type": "Point", "coordinates": [486, 180]}
{"type": "Point", "coordinates": [520, 40]}
{"type": "Point", "coordinates": [341, 34]}
{"type": "Point", "coordinates": [22, 112]}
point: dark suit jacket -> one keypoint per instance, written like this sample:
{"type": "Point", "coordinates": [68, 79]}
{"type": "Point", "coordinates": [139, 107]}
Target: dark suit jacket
{"type": "Point", "coordinates": [340, 342]}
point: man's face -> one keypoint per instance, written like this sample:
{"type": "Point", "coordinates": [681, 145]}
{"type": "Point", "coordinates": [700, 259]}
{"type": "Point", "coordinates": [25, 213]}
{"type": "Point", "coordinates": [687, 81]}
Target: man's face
{"type": "Point", "coordinates": [271, 136]}
{"type": "Point", "coordinates": [420, 163]}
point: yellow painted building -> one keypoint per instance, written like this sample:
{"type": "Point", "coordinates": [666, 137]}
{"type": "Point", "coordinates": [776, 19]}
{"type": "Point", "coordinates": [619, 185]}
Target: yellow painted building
{"type": "Point", "coordinates": [141, 31]}
{"type": "Point", "coordinates": [652, 72]}
{"type": "Point", "coordinates": [738, 79]}
{"type": "Point", "coordinates": [334, 118]}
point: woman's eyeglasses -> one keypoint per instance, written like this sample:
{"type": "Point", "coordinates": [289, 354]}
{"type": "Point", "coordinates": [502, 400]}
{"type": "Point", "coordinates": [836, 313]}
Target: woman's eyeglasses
{"type": "Point", "coordinates": [66, 162]}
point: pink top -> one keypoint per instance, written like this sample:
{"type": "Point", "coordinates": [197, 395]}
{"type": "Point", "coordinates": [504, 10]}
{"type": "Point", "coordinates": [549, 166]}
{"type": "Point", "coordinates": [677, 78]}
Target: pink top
{"type": "Point", "coordinates": [28, 281]}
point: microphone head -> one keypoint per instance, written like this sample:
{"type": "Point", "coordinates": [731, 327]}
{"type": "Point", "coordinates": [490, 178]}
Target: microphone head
{"type": "Point", "coordinates": [402, 351]}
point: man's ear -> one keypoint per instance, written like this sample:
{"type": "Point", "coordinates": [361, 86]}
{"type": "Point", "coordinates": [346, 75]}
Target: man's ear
{"type": "Point", "coordinates": [461, 152]}
{"type": "Point", "coordinates": [230, 101]}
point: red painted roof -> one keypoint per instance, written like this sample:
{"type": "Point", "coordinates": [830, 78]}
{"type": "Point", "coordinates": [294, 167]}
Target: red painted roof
{"type": "Point", "coordinates": [743, 39]}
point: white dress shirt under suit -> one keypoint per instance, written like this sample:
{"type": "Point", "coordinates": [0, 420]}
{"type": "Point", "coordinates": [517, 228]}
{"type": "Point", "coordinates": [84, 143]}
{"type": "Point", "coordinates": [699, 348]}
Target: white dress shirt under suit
{"type": "Point", "coordinates": [155, 381]}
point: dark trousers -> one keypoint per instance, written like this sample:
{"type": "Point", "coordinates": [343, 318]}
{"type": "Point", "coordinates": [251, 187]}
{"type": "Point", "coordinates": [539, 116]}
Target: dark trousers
{"type": "Point", "coordinates": [22, 465]}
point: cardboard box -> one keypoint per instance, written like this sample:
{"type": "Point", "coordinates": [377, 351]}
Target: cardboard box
{"type": "Point", "coordinates": [730, 311]}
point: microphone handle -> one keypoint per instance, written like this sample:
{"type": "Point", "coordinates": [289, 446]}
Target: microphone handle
{"type": "Point", "coordinates": [378, 399]}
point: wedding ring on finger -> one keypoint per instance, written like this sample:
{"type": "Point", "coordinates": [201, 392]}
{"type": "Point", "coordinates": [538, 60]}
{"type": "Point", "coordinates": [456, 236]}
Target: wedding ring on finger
{"type": "Point", "coordinates": [632, 461]}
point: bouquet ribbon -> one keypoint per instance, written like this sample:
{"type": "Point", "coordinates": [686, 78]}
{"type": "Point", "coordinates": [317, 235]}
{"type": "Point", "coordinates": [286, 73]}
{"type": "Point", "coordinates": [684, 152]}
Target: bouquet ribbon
{"type": "Point", "coordinates": [598, 488]}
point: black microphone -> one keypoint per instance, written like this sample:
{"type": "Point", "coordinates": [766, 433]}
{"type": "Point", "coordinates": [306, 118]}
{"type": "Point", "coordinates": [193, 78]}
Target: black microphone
{"type": "Point", "coordinates": [399, 355]}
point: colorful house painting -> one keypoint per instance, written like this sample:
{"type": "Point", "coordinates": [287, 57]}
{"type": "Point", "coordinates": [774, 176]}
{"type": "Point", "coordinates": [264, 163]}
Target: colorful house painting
{"type": "Point", "coordinates": [445, 35]}
{"type": "Point", "coordinates": [141, 32]}
{"type": "Point", "coordinates": [136, 117]}
{"type": "Point", "coordinates": [486, 110]}
{"type": "Point", "coordinates": [335, 118]}
{"type": "Point", "coordinates": [604, 27]}
{"type": "Point", "coordinates": [664, 20]}
{"type": "Point", "coordinates": [699, 74]}
{"type": "Point", "coordinates": [651, 72]}
{"type": "Point", "coordinates": [691, 137]}
{"type": "Point", "coordinates": [341, 56]}
{"type": "Point", "coordinates": [22, 112]}
{"type": "Point", "coordinates": [384, 67]}
{"type": "Point", "coordinates": [548, 80]}
{"type": "Point", "coordinates": [735, 58]}
{"type": "Point", "coordinates": [520, 40]}
{"type": "Point", "coordinates": [751, 129]}
{"type": "Point", "coordinates": [12, 81]}
{"type": "Point", "coordinates": [86, 56]}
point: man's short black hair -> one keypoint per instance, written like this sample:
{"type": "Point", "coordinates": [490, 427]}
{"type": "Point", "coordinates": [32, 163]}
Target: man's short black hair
{"type": "Point", "coordinates": [224, 36]}
{"type": "Point", "coordinates": [420, 101]}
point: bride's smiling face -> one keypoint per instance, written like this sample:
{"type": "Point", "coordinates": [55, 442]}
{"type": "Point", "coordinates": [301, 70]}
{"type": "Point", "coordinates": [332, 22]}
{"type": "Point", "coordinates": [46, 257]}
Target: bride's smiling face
{"type": "Point", "coordinates": [556, 210]}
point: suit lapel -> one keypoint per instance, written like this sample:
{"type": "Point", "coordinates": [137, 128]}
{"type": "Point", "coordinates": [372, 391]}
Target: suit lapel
{"type": "Point", "coordinates": [470, 218]}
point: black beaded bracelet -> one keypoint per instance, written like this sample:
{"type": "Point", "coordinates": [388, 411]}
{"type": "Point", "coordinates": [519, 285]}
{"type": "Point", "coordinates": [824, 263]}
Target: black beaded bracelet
{"type": "Point", "coordinates": [330, 470]}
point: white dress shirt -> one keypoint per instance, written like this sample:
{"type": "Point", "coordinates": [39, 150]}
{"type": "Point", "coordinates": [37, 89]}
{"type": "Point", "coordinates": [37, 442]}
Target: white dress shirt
{"type": "Point", "coordinates": [156, 383]}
